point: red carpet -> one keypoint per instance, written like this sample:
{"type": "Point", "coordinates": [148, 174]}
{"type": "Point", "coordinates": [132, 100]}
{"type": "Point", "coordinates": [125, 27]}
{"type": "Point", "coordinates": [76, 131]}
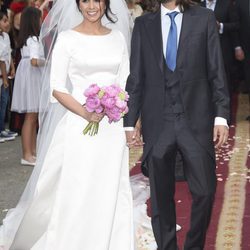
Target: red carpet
{"type": "Point", "coordinates": [222, 233]}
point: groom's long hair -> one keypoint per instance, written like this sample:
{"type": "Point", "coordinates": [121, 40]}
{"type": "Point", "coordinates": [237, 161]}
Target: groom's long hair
{"type": "Point", "coordinates": [184, 4]}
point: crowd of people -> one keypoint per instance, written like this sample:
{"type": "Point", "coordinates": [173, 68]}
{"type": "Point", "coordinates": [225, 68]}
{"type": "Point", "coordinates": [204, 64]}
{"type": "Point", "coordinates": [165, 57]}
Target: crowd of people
{"type": "Point", "coordinates": [10, 21]}
{"type": "Point", "coordinates": [205, 52]}
{"type": "Point", "coordinates": [20, 27]}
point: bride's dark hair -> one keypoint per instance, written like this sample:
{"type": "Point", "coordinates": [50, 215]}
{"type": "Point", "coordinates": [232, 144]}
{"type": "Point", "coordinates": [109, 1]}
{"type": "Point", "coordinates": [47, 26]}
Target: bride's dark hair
{"type": "Point", "coordinates": [107, 10]}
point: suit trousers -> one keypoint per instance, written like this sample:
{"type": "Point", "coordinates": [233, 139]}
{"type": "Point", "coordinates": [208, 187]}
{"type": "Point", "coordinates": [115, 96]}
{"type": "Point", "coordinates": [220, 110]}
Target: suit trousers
{"type": "Point", "coordinates": [199, 168]}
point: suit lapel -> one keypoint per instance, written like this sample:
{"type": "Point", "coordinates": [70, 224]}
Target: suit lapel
{"type": "Point", "coordinates": [153, 27]}
{"type": "Point", "coordinates": [186, 29]}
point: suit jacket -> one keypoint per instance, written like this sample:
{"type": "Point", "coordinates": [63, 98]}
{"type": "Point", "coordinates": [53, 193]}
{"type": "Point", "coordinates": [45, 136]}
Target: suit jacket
{"type": "Point", "coordinates": [201, 72]}
{"type": "Point", "coordinates": [226, 12]}
{"type": "Point", "coordinates": [243, 7]}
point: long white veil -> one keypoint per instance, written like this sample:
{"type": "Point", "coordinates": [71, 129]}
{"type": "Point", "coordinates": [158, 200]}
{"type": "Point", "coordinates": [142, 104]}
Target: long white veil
{"type": "Point", "coordinates": [64, 15]}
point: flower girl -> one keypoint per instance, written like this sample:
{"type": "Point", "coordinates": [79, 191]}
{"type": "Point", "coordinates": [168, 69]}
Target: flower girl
{"type": "Point", "coordinates": [27, 85]}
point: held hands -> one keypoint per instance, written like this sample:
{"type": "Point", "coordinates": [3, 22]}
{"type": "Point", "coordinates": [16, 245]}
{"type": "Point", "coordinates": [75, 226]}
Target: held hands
{"type": "Point", "coordinates": [220, 135]}
{"type": "Point", "coordinates": [134, 138]}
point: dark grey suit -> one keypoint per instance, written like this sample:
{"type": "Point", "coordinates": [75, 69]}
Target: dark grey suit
{"type": "Point", "coordinates": [177, 110]}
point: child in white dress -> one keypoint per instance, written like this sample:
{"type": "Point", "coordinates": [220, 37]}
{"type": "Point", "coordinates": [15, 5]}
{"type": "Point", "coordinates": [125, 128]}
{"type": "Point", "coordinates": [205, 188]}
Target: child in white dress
{"type": "Point", "coordinates": [27, 85]}
{"type": "Point", "coordinates": [7, 72]}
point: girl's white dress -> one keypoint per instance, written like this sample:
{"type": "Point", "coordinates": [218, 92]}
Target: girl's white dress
{"type": "Point", "coordinates": [27, 85]}
{"type": "Point", "coordinates": [82, 198]}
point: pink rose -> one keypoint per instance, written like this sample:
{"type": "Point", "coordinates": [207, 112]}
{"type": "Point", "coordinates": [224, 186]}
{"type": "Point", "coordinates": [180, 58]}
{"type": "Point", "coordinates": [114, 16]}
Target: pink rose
{"type": "Point", "coordinates": [126, 110]}
{"type": "Point", "coordinates": [113, 114]}
{"type": "Point", "coordinates": [120, 103]}
{"type": "Point", "coordinates": [108, 102]}
{"type": "Point", "coordinates": [111, 91]}
{"type": "Point", "coordinates": [93, 104]}
{"type": "Point", "coordinates": [92, 90]}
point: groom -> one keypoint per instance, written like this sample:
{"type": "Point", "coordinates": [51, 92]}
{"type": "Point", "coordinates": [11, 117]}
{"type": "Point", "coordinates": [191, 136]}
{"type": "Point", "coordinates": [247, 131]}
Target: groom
{"type": "Point", "coordinates": [177, 87]}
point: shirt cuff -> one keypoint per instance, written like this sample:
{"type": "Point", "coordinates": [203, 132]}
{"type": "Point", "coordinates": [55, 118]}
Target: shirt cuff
{"type": "Point", "coordinates": [220, 121]}
{"type": "Point", "coordinates": [221, 28]}
{"type": "Point", "coordinates": [129, 128]}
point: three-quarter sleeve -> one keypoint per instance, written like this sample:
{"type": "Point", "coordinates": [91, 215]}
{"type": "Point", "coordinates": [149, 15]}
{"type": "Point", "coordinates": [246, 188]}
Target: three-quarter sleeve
{"type": "Point", "coordinates": [59, 66]}
{"type": "Point", "coordinates": [34, 47]}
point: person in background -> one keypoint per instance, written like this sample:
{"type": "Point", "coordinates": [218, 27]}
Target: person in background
{"type": "Point", "coordinates": [243, 51]}
{"type": "Point", "coordinates": [44, 6]}
{"type": "Point", "coordinates": [7, 72]}
{"type": "Point", "coordinates": [6, 4]}
{"type": "Point", "coordinates": [150, 6]}
{"type": "Point", "coordinates": [27, 85]}
{"type": "Point", "coordinates": [16, 8]}
{"type": "Point", "coordinates": [134, 8]}
{"type": "Point", "coordinates": [227, 20]}
{"type": "Point", "coordinates": [2, 6]}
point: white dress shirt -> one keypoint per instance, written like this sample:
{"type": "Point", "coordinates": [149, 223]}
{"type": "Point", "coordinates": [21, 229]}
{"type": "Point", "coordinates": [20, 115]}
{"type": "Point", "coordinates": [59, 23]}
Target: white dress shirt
{"type": "Point", "coordinates": [165, 24]}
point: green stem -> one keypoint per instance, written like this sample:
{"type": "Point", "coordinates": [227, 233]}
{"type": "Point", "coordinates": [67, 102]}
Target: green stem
{"type": "Point", "coordinates": [91, 128]}
{"type": "Point", "coordinates": [87, 128]}
{"type": "Point", "coordinates": [97, 128]}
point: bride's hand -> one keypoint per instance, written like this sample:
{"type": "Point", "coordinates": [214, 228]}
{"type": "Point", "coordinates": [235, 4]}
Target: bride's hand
{"type": "Point", "coordinates": [92, 116]}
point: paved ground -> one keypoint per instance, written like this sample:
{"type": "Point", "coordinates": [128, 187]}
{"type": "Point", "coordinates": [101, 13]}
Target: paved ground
{"type": "Point", "coordinates": [13, 176]}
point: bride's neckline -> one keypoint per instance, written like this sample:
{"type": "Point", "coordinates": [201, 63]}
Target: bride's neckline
{"type": "Point", "coordinates": [85, 34]}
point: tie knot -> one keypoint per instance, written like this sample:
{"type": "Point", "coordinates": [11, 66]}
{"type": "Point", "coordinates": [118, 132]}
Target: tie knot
{"type": "Point", "coordinates": [172, 15]}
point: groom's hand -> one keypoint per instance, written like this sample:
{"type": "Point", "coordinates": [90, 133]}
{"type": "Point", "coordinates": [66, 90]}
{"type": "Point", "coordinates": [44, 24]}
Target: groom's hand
{"type": "Point", "coordinates": [220, 135]}
{"type": "Point", "coordinates": [134, 138]}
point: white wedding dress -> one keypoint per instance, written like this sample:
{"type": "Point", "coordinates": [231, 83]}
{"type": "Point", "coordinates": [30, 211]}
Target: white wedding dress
{"type": "Point", "coordinates": [82, 198]}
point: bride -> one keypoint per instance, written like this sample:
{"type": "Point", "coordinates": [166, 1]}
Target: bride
{"type": "Point", "coordinates": [78, 196]}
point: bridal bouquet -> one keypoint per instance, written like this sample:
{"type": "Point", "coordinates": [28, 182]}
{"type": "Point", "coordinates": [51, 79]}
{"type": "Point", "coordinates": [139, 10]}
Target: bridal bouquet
{"type": "Point", "coordinates": [110, 100]}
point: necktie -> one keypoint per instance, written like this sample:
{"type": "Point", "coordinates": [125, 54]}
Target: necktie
{"type": "Point", "coordinates": [171, 52]}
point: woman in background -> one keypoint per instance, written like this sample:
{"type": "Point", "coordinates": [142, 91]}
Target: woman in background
{"type": "Point", "coordinates": [134, 8]}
